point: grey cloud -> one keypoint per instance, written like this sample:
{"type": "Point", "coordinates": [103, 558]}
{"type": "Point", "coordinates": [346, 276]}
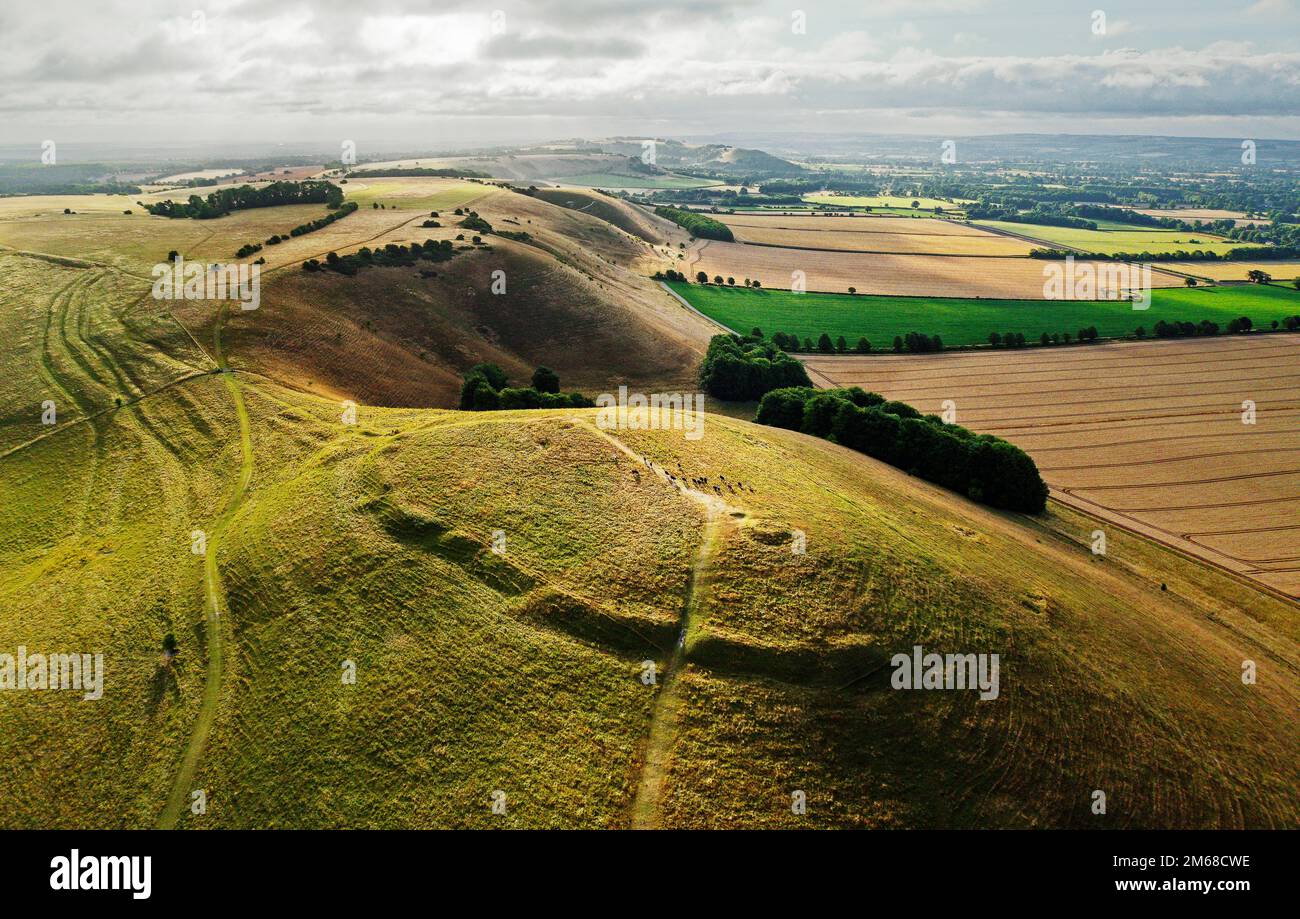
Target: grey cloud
{"type": "Point", "coordinates": [512, 46]}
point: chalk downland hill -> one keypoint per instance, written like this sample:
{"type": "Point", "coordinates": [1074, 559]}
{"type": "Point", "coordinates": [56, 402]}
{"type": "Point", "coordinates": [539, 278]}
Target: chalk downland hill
{"type": "Point", "coordinates": [366, 549]}
{"type": "Point", "coordinates": [521, 672]}
{"type": "Point", "coordinates": [575, 298]}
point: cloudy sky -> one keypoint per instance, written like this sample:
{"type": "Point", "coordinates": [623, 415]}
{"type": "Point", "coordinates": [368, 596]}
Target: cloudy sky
{"type": "Point", "coordinates": [449, 73]}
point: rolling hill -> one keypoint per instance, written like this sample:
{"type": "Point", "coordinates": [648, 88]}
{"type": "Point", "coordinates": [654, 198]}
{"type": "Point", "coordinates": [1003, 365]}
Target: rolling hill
{"type": "Point", "coordinates": [496, 582]}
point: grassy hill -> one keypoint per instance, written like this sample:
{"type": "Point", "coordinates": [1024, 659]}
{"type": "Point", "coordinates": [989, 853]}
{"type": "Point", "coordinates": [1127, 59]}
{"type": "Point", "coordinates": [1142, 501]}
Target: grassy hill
{"type": "Point", "coordinates": [520, 672]}
{"type": "Point", "coordinates": [369, 548]}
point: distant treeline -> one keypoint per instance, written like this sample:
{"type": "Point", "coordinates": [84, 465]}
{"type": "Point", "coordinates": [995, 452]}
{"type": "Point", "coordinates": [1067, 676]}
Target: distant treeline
{"type": "Point", "coordinates": [245, 197]}
{"type": "Point", "coordinates": [741, 368]}
{"type": "Point", "coordinates": [697, 224]}
{"type": "Point", "coordinates": [401, 172]}
{"type": "Point", "coordinates": [1239, 254]}
{"type": "Point", "coordinates": [485, 389]}
{"type": "Point", "coordinates": [730, 198]}
{"type": "Point", "coordinates": [72, 179]}
{"type": "Point", "coordinates": [982, 467]}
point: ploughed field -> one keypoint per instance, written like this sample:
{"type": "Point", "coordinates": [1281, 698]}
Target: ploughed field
{"type": "Point", "coordinates": [968, 321]}
{"type": "Point", "coordinates": [1146, 435]}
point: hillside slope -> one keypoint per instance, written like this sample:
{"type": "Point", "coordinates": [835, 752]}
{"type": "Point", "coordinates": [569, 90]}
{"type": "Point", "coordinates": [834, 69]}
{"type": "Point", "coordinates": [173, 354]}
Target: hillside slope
{"type": "Point", "coordinates": [575, 299]}
{"type": "Point", "coordinates": [371, 546]}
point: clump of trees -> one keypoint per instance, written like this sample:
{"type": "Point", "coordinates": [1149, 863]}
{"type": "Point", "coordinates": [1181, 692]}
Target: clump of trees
{"type": "Point", "coordinates": [220, 203]}
{"type": "Point", "coordinates": [917, 343]}
{"type": "Point", "coordinates": [486, 388]}
{"type": "Point", "coordinates": [697, 224]}
{"type": "Point", "coordinates": [473, 221]}
{"type": "Point", "coordinates": [984, 468]}
{"type": "Point", "coordinates": [1177, 329]}
{"type": "Point", "coordinates": [738, 368]}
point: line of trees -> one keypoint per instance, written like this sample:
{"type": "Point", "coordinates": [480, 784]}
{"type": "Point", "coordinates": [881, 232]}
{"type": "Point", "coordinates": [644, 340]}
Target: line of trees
{"type": "Point", "coordinates": [982, 467]}
{"type": "Point", "coordinates": [302, 229]}
{"type": "Point", "coordinates": [1017, 339]}
{"type": "Point", "coordinates": [486, 389]}
{"type": "Point", "coordinates": [823, 345]}
{"type": "Point", "coordinates": [1238, 254]}
{"type": "Point", "coordinates": [222, 202]}
{"type": "Point", "coordinates": [738, 368]}
{"type": "Point", "coordinates": [391, 255]}
{"type": "Point", "coordinates": [697, 224]}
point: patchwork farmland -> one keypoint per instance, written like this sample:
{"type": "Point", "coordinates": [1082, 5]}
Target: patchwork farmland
{"type": "Point", "coordinates": [1148, 436]}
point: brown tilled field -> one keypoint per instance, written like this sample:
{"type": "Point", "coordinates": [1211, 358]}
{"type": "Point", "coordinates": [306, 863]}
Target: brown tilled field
{"type": "Point", "coordinates": [900, 275]}
{"type": "Point", "coordinates": [921, 236]}
{"type": "Point", "coordinates": [1145, 435]}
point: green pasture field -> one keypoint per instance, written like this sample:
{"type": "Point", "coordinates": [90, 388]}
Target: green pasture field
{"type": "Point", "coordinates": [968, 321]}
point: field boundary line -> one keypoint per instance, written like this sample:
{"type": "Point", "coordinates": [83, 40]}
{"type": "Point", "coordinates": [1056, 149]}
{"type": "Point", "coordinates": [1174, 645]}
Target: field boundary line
{"type": "Point", "coordinates": [1075, 503]}
{"type": "Point", "coordinates": [686, 303]}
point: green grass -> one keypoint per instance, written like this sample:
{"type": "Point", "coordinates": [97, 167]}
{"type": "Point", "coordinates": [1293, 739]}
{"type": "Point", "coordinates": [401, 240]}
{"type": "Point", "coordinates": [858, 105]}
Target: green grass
{"type": "Point", "coordinates": [965, 321]}
{"type": "Point", "coordinates": [1108, 241]}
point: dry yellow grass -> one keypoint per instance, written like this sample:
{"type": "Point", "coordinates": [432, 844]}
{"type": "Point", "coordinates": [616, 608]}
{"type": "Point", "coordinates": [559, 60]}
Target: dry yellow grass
{"type": "Point", "coordinates": [916, 275]}
{"type": "Point", "coordinates": [856, 223]}
{"type": "Point", "coordinates": [1235, 271]}
{"type": "Point", "coordinates": [873, 234]}
{"type": "Point", "coordinates": [1148, 435]}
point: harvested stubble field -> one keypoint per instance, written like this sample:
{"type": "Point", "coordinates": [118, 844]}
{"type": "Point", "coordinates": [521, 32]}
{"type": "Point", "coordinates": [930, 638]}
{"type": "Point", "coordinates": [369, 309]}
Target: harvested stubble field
{"type": "Point", "coordinates": [901, 235]}
{"type": "Point", "coordinates": [902, 275]}
{"type": "Point", "coordinates": [1147, 435]}
{"type": "Point", "coordinates": [1235, 271]}
{"type": "Point", "coordinates": [1117, 238]}
{"type": "Point", "coordinates": [900, 202]}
